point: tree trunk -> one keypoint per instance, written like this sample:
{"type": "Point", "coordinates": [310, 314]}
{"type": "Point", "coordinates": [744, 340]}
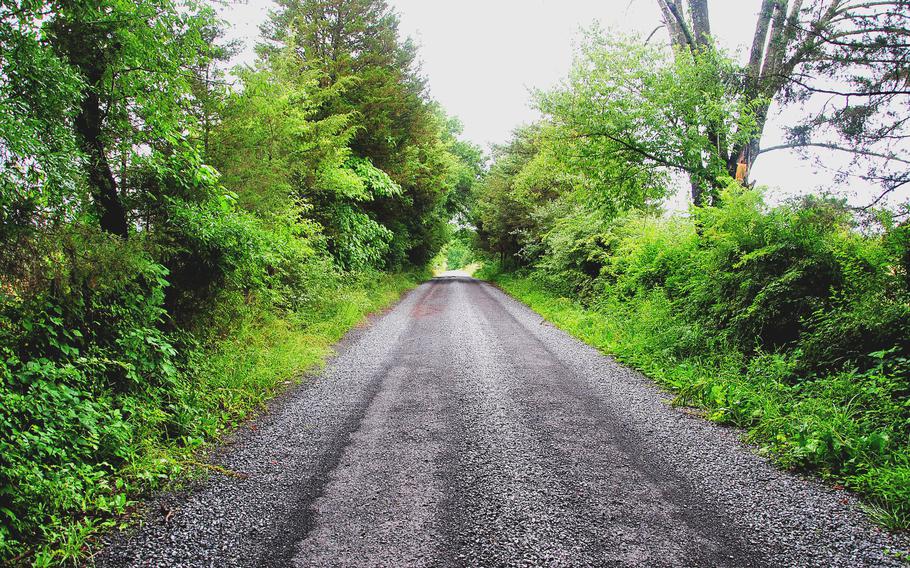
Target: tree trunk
{"type": "Point", "coordinates": [100, 176]}
{"type": "Point", "coordinates": [766, 72]}
{"type": "Point", "coordinates": [675, 25]}
{"type": "Point", "coordinates": [773, 34]}
{"type": "Point", "coordinates": [757, 53]}
{"type": "Point", "coordinates": [689, 41]}
{"type": "Point", "coordinates": [83, 49]}
{"type": "Point", "coordinates": [697, 193]}
{"type": "Point", "coordinates": [701, 24]}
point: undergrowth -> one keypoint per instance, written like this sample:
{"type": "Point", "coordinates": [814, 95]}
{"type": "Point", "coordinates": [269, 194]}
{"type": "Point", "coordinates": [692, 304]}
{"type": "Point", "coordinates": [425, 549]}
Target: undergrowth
{"type": "Point", "coordinates": [79, 453]}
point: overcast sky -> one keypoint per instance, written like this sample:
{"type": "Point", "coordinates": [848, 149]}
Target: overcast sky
{"type": "Point", "coordinates": [483, 56]}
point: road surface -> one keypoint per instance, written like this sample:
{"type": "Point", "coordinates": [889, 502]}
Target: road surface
{"type": "Point", "coordinates": [459, 429]}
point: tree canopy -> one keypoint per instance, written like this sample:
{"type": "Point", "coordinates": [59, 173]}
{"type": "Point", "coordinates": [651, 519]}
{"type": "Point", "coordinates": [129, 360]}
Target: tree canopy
{"type": "Point", "coordinates": [845, 59]}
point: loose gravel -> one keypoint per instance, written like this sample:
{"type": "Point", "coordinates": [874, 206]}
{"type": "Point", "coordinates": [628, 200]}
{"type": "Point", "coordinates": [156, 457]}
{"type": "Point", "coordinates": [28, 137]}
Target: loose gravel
{"type": "Point", "coordinates": [459, 429]}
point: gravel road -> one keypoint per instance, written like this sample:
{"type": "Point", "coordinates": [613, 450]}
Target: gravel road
{"type": "Point", "coordinates": [459, 429]}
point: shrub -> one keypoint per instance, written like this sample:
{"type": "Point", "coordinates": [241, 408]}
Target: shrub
{"type": "Point", "coordinates": [78, 343]}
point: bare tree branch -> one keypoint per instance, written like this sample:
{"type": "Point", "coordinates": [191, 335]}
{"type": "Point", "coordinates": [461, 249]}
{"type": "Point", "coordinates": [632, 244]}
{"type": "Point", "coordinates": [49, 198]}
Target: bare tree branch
{"type": "Point", "coordinates": [827, 146]}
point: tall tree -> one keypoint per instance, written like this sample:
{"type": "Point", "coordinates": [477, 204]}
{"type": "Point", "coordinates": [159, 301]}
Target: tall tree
{"type": "Point", "coordinates": [853, 54]}
{"type": "Point", "coordinates": [469, 171]}
{"type": "Point", "coordinates": [355, 46]}
{"type": "Point", "coordinates": [356, 42]}
{"type": "Point", "coordinates": [628, 114]}
{"type": "Point", "coordinates": [37, 168]}
{"type": "Point", "coordinates": [503, 208]}
{"type": "Point", "coordinates": [135, 60]}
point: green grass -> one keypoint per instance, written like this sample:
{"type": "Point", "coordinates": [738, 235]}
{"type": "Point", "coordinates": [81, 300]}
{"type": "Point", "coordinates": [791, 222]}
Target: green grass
{"type": "Point", "coordinates": [267, 352]}
{"type": "Point", "coordinates": [263, 354]}
{"type": "Point", "coordinates": [849, 427]}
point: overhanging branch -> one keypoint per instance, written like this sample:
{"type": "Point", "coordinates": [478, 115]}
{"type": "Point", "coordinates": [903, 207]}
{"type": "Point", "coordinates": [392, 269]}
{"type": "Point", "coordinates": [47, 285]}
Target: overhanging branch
{"type": "Point", "coordinates": [835, 147]}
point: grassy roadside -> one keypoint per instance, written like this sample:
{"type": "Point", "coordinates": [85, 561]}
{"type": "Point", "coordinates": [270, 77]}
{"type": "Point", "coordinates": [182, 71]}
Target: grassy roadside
{"type": "Point", "coordinates": [220, 387]}
{"type": "Point", "coordinates": [846, 427]}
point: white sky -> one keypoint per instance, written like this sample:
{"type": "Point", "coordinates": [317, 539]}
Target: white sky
{"type": "Point", "coordinates": [483, 56]}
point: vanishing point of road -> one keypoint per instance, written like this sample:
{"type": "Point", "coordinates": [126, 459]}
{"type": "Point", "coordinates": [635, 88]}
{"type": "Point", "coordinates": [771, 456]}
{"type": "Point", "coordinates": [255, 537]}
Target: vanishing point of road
{"type": "Point", "coordinates": [460, 429]}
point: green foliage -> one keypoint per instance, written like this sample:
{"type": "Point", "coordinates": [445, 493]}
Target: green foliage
{"type": "Point", "coordinates": [375, 183]}
{"type": "Point", "coordinates": [663, 115]}
{"type": "Point", "coordinates": [458, 252]}
{"type": "Point", "coordinates": [131, 59]}
{"type": "Point", "coordinates": [357, 42]}
{"type": "Point", "coordinates": [361, 242]}
{"type": "Point", "coordinates": [38, 169]}
{"type": "Point", "coordinates": [506, 200]}
{"type": "Point", "coordinates": [81, 345]}
{"type": "Point", "coordinates": [174, 252]}
{"type": "Point", "coordinates": [271, 147]}
{"type": "Point", "coordinates": [354, 49]}
{"type": "Point", "coordinates": [93, 417]}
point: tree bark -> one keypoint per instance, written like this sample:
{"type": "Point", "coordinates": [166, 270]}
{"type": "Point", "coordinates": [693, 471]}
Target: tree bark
{"type": "Point", "coordinates": [757, 53]}
{"type": "Point", "coordinates": [768, 70]}
{"type": "Point", "coordinates": [770, 43]}
{"type": "Point", "coordinates": [777, 45]}
{"type": "Point", "coordinates": [701, 24]}
{"type": "Point", "coordinates": [100, 176]}
{"type": "Point", "coordinates": [81, 47]}
{"type": "Point", "coordinates": [696, 190]}
{"type": "Point", "coordinates": [670, 9]}
{"type": "Point", "coordinates": [690, 40]}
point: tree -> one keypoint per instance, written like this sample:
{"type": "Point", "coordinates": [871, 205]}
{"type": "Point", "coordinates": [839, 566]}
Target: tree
{"type": "Point", "coordinates": [354, 47]}
{"type": "Point", "coordinates": [627, 115]}
{"type": "Point", "coordinates": [135, 61]}
{"type": "Point", "coordinates": [356, 42]}
{"type": "Point", "coordinates": [469, 169]}
{"type": "Point", "coordinates": [271, 147]}
{"type": "Point", "coordinates": [211, 84]}
{"type": "Point", "coordinates": [279, 156]}
{"type": "Point", "coordinates": [37, 147]}
{"type": "Point", "coordinates": [503, 214]}
{"type": "Point", "coordinates": [850, 58]}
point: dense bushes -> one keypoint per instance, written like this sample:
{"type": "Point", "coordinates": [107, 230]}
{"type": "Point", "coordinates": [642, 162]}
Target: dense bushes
{"type": "Point", "coordinates": [81, 345]}
{"type": "Point", "coordinates": [94, 371]}
{"type": "Point", "coordinates": [458, 252]}
{"type": "Point", "coordinates": [759, 278]}
{"type": "Point", "coordinates": [791, 321]}
{"type": "Point", "coordinates": [104, 393]}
